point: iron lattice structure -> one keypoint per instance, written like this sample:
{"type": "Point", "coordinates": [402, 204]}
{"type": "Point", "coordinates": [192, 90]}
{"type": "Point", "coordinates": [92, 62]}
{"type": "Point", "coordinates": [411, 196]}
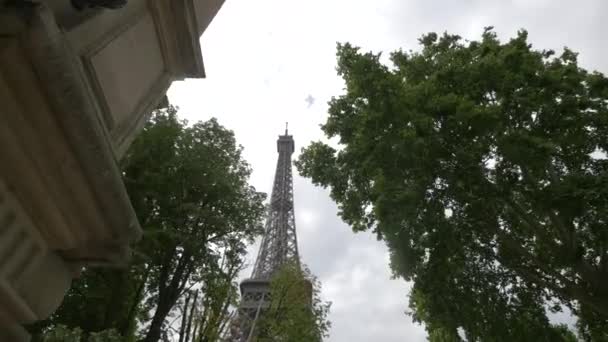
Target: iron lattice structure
{"type": "Point", "coordinates": [280, 243]}
{"type": "Point", "coordinates": [279, 246]}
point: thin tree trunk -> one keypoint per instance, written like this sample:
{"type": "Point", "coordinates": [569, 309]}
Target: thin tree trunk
{"type": "Point", "coordinates": [225, 322]}
{"type": "Point", "coordinates": [204, 322]}
{"type": "Point", "coordinates": [182, 329]}
{"type": "Point", "coordinates": [190, 317]}
{"type": "Point", "coordinates": [194, 332]}
{"type": "Point", "coordinates": [168, 295]}
{"type": "Point", "coordinates": [154, 332]}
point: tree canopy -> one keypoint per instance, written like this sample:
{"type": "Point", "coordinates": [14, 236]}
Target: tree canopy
{"type": "Point", "coordinates": [482, 165]}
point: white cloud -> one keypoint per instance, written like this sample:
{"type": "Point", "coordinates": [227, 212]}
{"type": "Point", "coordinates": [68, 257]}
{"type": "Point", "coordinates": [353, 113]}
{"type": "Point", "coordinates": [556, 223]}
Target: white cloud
{"type": "Point", "coordinates": [307, 220]}
{"type": "Point", "coordinates": [264, 57]}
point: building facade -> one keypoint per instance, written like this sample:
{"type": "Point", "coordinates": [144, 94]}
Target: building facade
{"type": "Point", "coordinates": [78, 79]}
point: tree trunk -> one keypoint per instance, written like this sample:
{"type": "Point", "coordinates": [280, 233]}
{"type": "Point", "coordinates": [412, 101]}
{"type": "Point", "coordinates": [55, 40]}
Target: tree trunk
{"type": "Point", "coordinates": [168, 294]}
{"type": "Point", "coordinates": [182, 329]}
{"type": "Point", "coordinates": [190, 316]}
{"type": "Point", "coordinates": [154, 332]}
{"type": "Point", "coordinates": [195, 332]}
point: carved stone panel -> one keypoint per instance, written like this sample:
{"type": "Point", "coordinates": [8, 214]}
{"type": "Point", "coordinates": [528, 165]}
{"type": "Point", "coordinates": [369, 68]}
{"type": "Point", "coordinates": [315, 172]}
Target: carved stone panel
{"type": "Point", "coordinates": [127, 67]}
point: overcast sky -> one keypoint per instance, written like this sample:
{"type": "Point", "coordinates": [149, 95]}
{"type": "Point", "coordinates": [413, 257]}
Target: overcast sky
{"type": "Point", "coordinates": [272, 61]}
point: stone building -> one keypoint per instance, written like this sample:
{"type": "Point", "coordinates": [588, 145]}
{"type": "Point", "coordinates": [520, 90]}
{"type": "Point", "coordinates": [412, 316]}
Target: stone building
{"type": "Point", "coordinates": [77, 81]}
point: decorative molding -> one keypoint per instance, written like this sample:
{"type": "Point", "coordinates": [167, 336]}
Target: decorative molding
{"type": "Point", "coordinates": [25, 264]}
{"type": "Point", "coordinates": [194, 36]}
{"type": "Point", "coordinates": [164, 22]}
{"type": "Point", "coordinates": [106, 113]}
{"type": "Point", "coordinates": [89, 68]}
{"type": "Point", "coordinates": [124, 134]}
{"type": "Point", "coordinates": [21, 247]}
{"type": "Point", "coordinates": [110, 4]}
{"type": "Point", "coordinates": [179, 37]}
{"type": "Point", "coordinates": [58, 72]}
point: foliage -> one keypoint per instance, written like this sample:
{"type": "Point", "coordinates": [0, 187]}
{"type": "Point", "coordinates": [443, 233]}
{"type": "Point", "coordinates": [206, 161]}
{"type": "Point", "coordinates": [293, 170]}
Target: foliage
{"type": "Point", "coordinates": [105, 336]}
{"type": "Point", "coordinates": [562, 333]}
{"type": "Point", "coordinates": [100, 299]}
{"type": "Point", "coordinates": [592, 326]}
{"type": "Point", "coordinates": [474, 161]}
{"type": "Point", "coordinates": [61, 333]}
{"type": "Point", "coordinates": [205, 314]}
{"type": "Point", "coordinates": [296, 312]}
{"type": "Point", "coordinates": [189, 188]}
{"type": "Point", "coordinates": [443, 335]}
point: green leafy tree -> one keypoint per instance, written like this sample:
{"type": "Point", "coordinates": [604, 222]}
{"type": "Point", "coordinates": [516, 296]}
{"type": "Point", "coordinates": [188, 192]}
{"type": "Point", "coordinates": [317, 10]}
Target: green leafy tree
{"type": "Point", "coordinates": [564, 334]}
{"type": "Point", "coordinates": [87, 306]}
{"type": "Point", "coordinates": [61, 333]}
{"type": "Point", "coordinates": [592, 326]}
{"type": "Point", "coordinates": [189, 188]}
{"type": "Point", "coordinates": [437, 334]}
{"type": "Point", "coordinates": [296, 312]}
{"type": "Point", "coordinates": [101, 299]}
{"type": "Point", "coordinates": [206, 314]}
{"type": "Point", "coordinates": [474, 161]}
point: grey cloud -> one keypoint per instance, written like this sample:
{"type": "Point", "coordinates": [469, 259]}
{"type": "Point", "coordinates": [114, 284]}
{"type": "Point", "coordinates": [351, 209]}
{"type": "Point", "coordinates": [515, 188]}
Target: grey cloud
{"type": "Point", "coordinates": [255, 81]}
{"type": "Point", "coordinates": [367, 304]}
{"type": "Point", "coordinates": [551, 24]}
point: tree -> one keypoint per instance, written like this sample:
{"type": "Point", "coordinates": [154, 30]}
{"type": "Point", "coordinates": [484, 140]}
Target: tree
{"type": "Point", "coordinates": [479, 163]}
{"type": "Point", "coordinates": [102, 299]}
{"type": "Point", "coordinates": [296, 312]}
{"type": "Point", "coordinates": [592, 326]}
{"type": "Point", "coordinates": [564, 334]}
{"type": "Point", "coordinates": [189, 188]}
{"type": "Point", "coordinates": [207, 318]}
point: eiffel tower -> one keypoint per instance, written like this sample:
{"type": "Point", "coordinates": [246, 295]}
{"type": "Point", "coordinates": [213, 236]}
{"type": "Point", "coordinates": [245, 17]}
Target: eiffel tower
{"type": "Point", "coordinates": [279, 246]}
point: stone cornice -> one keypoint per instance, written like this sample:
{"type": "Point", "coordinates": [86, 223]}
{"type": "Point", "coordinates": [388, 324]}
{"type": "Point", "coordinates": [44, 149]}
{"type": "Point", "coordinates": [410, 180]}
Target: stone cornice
{"type": "Point", "coordinates": [177, 25]}
{"type": "Point", "coordinates": [76, 115]}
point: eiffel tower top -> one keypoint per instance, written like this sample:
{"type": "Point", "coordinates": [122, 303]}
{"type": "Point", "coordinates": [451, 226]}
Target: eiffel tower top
{"type": "Point", "coordinates": [279, 243]}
